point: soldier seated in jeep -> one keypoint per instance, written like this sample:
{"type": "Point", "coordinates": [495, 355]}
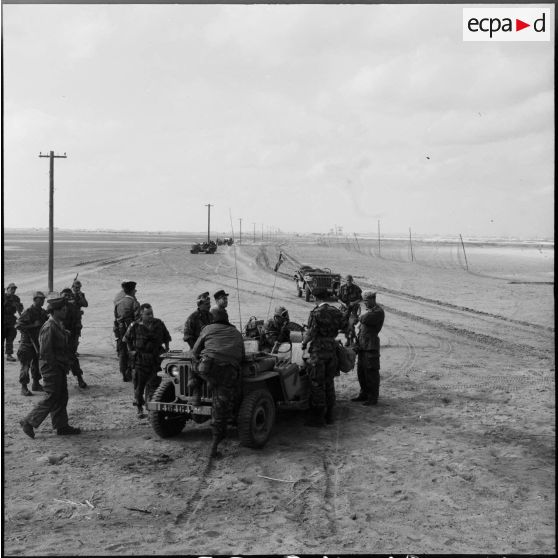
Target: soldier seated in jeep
{"type": "Point", "coordinates": [276, 331]}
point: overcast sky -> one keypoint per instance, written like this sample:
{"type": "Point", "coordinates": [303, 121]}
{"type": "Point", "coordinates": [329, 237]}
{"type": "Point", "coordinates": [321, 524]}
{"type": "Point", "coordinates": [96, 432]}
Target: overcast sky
{"type": "Point", "coordinates": [300, 117]}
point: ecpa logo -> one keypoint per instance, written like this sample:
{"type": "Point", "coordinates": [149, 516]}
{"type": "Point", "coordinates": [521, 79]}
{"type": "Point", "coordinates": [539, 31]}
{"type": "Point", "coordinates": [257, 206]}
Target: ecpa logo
{"type": "Point", "coordinates": [506, 24]}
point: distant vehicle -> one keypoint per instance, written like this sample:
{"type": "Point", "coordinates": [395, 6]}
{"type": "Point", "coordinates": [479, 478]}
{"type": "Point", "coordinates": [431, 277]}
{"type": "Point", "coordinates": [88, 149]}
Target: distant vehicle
{"type": "Point", "coordinates": [268, 382]}
{"type": "Point", "coordinates": [227, 241]}
{"type": "Point", "coordinates": [204, 248]}
{"type": "Point", "coordinates": [308, 278]}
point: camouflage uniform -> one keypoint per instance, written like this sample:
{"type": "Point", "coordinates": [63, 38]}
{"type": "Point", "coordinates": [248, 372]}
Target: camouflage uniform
{"type": "Point", "coordinates": [323, 325]}
{"type": "Point", "coordinates": [72, 322]}
{"type": "Point", "coordinates": [81, 302]}
{"type": "Point", "coordinates": [221, 349]}
{"type": "Point", "coordinates": [146, 340]}
{"type": "Point", "coordinates": [10, 305]}
{"type": "Point", "coordinates": [368, 365]}
{"type": "Point", "coordinates": [350, 295]}
{"type": "Point", "coordinates": [54, 365]}
{"type": "Point", "coordinates": [276, 332]}
{"type": "Point", "coordinates": [29, 324]}
{"type": "Point", "coordinates": [195, 322]}
{"type": "Point", "coordinates": [126, 311]}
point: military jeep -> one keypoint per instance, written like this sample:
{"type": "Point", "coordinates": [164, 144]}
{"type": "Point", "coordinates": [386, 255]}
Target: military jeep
{"type": "Point", "coordinates": [204, 248]}
{"type": "Point", "coordinates": [269, 382]}
{"type": "Point", "coordinates": [308, 278]}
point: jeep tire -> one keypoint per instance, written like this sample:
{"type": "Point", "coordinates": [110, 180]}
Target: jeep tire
{"type": "Point", "coordinates": [165, 423]}
{"type": "Point", "coordinates": [256, 418]}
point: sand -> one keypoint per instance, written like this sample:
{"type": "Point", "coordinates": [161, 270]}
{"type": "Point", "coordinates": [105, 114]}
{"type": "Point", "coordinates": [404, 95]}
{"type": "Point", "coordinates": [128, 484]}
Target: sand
{"type": "Point", "coordinates": [458, 456]}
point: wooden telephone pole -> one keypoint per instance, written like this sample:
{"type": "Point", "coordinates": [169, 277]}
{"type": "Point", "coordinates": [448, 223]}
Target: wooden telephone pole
{"type": "Point", "coordinates": [51, 156]}
{"type": "Point", "coordinates": [209, 206]}
{"type": "Point", "coordinates": [240, 235]}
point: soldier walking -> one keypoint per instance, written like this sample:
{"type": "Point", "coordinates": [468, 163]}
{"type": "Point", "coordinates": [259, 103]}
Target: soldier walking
{"type": "Point", "coordinates": [350, 294]}
{"type": "Point", "coordinates": [126, 311]}
{"type": "Point", "coordinates": [220, 349]}
{"type": "Point", "coordinates": [54, 364]}
{"type": "Point", "coordinates": [29, 324]}
{"type": "Point", "coordinates": [276, 330]}
{"type": "Point", "coordinates": [368, 348]}
{"type": "Point", "coordinates": [323, 326]}
{"type": "Point", "coordinates": [72, 323]}
{"type": "Point", "coordinates": [195, 322]}
{"type": "Point", "coordinates": [145, 340]}
{"type": "Point", "coordinates": [10, 305]}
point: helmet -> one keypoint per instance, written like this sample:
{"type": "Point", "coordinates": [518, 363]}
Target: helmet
{"type": "Point", "coordinates": [281, 311]}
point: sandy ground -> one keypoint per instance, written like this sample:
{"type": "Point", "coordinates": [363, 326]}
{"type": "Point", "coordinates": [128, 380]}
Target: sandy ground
{"type": "Point", "coordinates": [458, 456]}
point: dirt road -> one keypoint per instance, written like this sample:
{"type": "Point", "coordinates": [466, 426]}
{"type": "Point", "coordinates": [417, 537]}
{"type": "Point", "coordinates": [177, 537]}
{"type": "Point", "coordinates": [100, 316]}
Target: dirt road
{"type": "Point", "coordinates": [457, 457]}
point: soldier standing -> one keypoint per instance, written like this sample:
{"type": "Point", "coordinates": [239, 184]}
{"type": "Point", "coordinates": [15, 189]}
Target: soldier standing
{"type": "Point", "coordinates": [81, 302]}
{"type": "Point", "coordinates": [72, 323]}
{"type": "Point", "coordinates": [350, 294]}
{"type": "Point", "coordinates": [220, 349]}
{"type": "Point", "coordinates": [276, 330]}
{"type": "Point", "coordinates": [323, 325]}
{"type": "Point", "coordinates": [126, 311]}
{"type": "Point", "coordinates": [54, 365]}
{"type": "Point", "coordinates": [29, 324]}
{"type": "Point", "coordinates": [10, 305]}
{"type": "Point", "coordinates": [145, 339]}
{"type": "Point", "coordinates": [221, 300]}
{"type": "Point", "coordinates": [368, 365]}
{"type": "Point", "coordinates": [192, 330]}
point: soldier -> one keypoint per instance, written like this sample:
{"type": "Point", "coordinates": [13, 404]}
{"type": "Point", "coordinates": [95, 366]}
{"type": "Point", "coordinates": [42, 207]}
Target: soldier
{"type": "Point", "coordinates": [197, 320]}
{"type": "Point", "coordinates": [221, 300]}
{"type": "Point", "coordinates": [29, 324]}
{"type": "Point", "coordinates": [10, 305]}
{"type": "Point", "coordinates": [54, 365]}
{"type": "Point", "coordinates": [145, 339]}
{"type": "Point", "coordinates": [192, 330]}
{"type": "Point", "coordinates": [323, 325]}
{"type": "Point", "coordinates": [72, 323]}
{"type": "Point", "coordinates": [350, 294]}
{"type": "Point", "coordinates": [276, 330]}
{"type": "Point", "coordinates": [126, 311]}
{"type": "Point", "coordinates": [220, 349]}
{"type": "Point", "coordinates": [368, 365]}
{"type": "Point", "coordinates": [81, 302]}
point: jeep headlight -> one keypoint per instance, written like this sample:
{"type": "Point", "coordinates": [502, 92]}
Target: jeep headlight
{"type": "Point", "coordinates": [173, 370]}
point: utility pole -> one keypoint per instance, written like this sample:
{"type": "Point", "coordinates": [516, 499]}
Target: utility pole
{"type": "Point", "coordinates": [262, 232]}
{"type": "Point", "coordinates": [463, 246]}
{"type": "Point", "coordinates": [379, 244]}
{"type": "Point", "coordinates": [240, 235]}
{"type": "Point", "coordinates": [209, 206]}
{"type": "Point", "coordinates": [51, 156]}
{"type": "Point", "coordinates": [411, 245]}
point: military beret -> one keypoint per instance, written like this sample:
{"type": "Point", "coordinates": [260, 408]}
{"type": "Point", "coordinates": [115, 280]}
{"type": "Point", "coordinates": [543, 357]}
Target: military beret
{"type": "Point", "coordinates": [55, 301]}
{"type": "Point", "coordinates": [220, 294]}
{"type": "Point", "coordinates": [204, 296]}
{"type": "Point", "coordinates": [219, 315]}
{"type": "Point", "coordinates": [129, 284]}
{"type": "Point", "coordinates": [76, 283]}
{"type": "Point", "coordinates": [38, 294]}
{"type": "Point", "coordinates": [11, 285]}
{"type": "Point", "coordinates": [368, 294]}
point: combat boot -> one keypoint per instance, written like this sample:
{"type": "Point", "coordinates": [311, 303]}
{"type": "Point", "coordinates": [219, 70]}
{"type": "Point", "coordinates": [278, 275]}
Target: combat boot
{"type": "Point", "coordinates": [81, 382]}
{"type": "Point", "coordinates": [216, 438]}
{"type": "Point", "coordinates": [25, 391]}
{"type": "Point", "coordinates": [27, 428]}
{"type": "Point", "coordinates": [360, 397]}
{"type": "Point", "coordinates": [68, 430]}
{"type": "Point", "coordinates": [141, 414]}
{"type": "Point", "coordinates": [36, 386]}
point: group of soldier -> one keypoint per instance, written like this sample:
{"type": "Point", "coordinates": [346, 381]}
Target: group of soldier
{"type": "Point", "coordinates": [48, 349]}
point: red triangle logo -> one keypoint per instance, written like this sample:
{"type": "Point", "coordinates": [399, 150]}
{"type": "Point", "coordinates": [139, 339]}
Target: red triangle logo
{"type": "Point", "coordinates": [519, 25]}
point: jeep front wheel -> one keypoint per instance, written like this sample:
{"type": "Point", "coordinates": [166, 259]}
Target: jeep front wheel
{"type": "Point", "coordinates": [256, 418]}
{"type": "Point", "coordinates": [165, 423]}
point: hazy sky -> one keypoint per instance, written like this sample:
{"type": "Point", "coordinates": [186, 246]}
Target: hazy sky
{"type": "Point", "coordinates": [300, 117]}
